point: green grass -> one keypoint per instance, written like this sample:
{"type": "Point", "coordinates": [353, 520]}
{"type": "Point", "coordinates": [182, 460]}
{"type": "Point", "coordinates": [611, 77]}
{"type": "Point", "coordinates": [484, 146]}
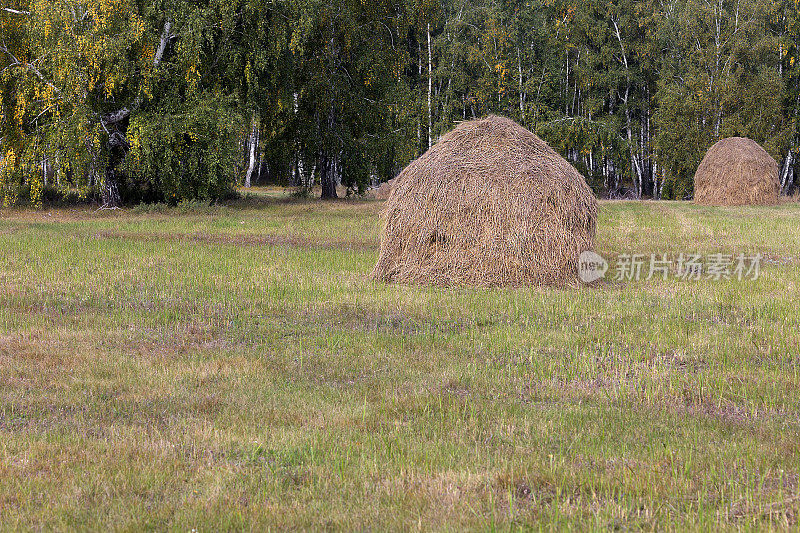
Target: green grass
{"type": "Point", "coordinates": [232, 368]}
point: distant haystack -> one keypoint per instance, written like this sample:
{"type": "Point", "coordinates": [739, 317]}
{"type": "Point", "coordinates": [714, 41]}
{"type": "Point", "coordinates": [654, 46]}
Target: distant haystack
{"type": "Point", "coordinates": [489, 204]}
{"type": "Point", "coordinates": [383, 191]}
{"type": "Point", "coordinates": [737, 171]}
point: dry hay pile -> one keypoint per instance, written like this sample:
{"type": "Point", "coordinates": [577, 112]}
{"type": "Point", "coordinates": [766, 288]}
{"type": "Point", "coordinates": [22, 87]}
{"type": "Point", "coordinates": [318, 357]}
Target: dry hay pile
{"type": "Point", "coordinates": [489, 204]}
{"type": "Point", "coordinates": [737, 171]}
{"type": "Point", "coordinates": [383, 191]}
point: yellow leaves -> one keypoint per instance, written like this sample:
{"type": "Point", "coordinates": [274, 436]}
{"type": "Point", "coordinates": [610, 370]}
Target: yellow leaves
{"type": "Point", "coordinates": [92, 82]}
{"type": "Point", "coordinates": [134, 138]}
{"type": "Point", "coordinates": [565, 16]}
{"type": "Point", "coordinates": [7, 167]}
{"type": "Point", "coordinates": [369, 78]}
{"type": "Point", "coordinates": [136, 25]}
{"type": "Point", "coordinates": [9, 161]}
{"type": "Point", "coordinates": [97, 141]}
{"type": "Point", "coordinates": [192, 77]}
{"type": "Point", "coordinates": [95, 50]}
{"type": "Point", "coordinates": [192, 74]}
{"type": "Point", "coordinates": [135, 141]}
{"type": "Point", "coordinates": [147, 91]}
{"type": "Point", "coordinates": [148, 53]}
{"type": "Point", "coordinates": [110, 84]}
{"type": "Point", "coordinates": [35, 181]}
{"type": "Point", "coordinates": [104, 11]}
{"type": "Point", "coordinates": [19, 109]}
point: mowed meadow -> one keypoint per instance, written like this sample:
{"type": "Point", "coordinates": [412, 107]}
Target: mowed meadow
{"type": "Point", "coordinates": [233, 367]}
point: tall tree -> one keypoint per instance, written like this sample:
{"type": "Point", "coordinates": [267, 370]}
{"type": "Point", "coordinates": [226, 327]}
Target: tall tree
{"type": "Point", "coordinates": [346, 64]}
{"type": "Point", "coordinates": [719, 78]}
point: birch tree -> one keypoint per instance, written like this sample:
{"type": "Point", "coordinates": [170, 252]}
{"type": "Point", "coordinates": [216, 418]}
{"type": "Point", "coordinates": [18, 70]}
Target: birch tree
{"type": "Point", "coordinates": [719, 78]}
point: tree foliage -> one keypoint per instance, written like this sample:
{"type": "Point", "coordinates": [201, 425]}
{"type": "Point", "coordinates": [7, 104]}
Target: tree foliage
{"type": "Point", "coordinates": [162, 100]}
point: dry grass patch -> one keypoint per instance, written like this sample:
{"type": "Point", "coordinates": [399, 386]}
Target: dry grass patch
{"type": "Point", "coordinates": [148, 386]}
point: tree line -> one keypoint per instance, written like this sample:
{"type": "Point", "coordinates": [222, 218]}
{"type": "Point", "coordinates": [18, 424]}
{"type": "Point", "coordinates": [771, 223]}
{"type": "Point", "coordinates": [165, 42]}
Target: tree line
{"type": "Point", "coordinates": [165, 100]}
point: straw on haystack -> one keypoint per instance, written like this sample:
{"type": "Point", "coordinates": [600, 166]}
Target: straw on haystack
{"type": "Point", "coordinates": [737, 171]}
{"type": "Point", "coordinates": [489, 204]}
{"type": "Point", "coordinates": [383, 191]}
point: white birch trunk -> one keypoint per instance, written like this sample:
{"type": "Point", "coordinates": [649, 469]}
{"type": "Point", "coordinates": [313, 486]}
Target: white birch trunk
{"type": "Point", "coordinates": [521, 93]}
{"type": "Point", "coordinates": [430, 89]}
{"type": "Point", "coordinates": [635, 164]}
{"type": "Point", "coordinates": [786, 173]}
{"type": "Point", "coordinates": [252, 141]}
{"type": "Point", "coordinates": [419, 77]}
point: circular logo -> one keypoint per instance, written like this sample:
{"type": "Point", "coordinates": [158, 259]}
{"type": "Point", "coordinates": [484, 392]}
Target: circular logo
{"type": "Point", "coordinates": [591, 266]}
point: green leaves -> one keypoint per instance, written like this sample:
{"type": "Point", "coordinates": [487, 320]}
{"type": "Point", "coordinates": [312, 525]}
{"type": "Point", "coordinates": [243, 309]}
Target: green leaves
{"type": "Point", "coordinates": [632, 92]}
{"type": "Point", "coordinates": [184, 152]}
{"type": "Point", "coordinates": [723, 81]}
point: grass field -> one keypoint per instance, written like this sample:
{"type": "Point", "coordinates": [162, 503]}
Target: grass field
{"type": "Point", "coordinates": [232, 368]}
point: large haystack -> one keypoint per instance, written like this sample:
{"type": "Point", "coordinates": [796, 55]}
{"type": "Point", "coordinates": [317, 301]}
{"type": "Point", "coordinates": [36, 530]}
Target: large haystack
{"type": "Point", "coordinates": [489, 204]}
{"type": "Point", "coordinates": [737, 171]}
